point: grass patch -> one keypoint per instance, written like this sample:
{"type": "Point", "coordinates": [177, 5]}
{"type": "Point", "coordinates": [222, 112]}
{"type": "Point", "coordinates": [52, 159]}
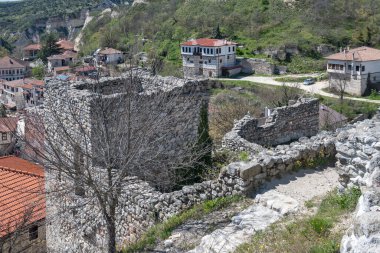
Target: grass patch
{"type": "Point", "coordinates": [311, 234]}
{"type": "Point", "coordinates": [163, 230]}
{"type": "Point", "coordinates": [350, 108]}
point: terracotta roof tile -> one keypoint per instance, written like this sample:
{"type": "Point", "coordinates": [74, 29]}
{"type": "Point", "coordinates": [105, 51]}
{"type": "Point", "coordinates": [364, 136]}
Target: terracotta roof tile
{"type": "Point", "coordinates": [22, 197]}
{"type": "Point", "coordinates": [205, 42]}
{"type": "Point", "coordinates": [360, 53]}
{"type": "Point", "coordinates": [11, 63]}
{"type": "Point", "coordinates": [66, 45]}
{"type": "Point", "coordinates": [108, 51]}
{"type": "Point", "coordinates": [8, 124]}
{"type": "Point", "coordinates": [22, 82]}
{"type": "Point", "coordinates": [32, 47]}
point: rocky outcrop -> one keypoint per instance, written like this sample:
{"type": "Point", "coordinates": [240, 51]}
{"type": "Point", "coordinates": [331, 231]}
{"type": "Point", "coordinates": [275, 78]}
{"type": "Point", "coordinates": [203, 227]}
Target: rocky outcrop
{"type": "Point", "coordinates": [358, 162]}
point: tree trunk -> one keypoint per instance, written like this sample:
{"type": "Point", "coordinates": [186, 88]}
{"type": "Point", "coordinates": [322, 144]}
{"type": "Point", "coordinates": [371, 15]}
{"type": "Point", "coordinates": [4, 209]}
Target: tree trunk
{"type": "Point", "coordinates": [111, 228]}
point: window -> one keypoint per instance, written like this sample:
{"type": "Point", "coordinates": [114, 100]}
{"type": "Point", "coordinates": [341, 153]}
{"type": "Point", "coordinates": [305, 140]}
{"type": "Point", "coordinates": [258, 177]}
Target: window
{"type": "Point", "coordinates": [208, 51]}
{"type": "Point", "coordinates": [212, 51]}
{"type": "Point", "coordinates": [233, 49]}
{"type": "Point", "coordinates": [221, 61]}
{"type": "Point", "coordinates": [209, 60]}
{"type": "Point", "coordinates": [228, 57]}
{"type": "Point", "coordinates": [4, 136]}
{"type": "Point", "coordinates": [363, 68]}
{"type": "Point", "coordinates": [350, 67]}
{"type": "Point", "coordinates": [188, 59]}
{"type": "Point", "coordinates": [374, 78]}
{"type": "Point", "coordinates": [183, 49]}
{"type": "Point", "coordinates": [357, 68]}
{"type": "Point", "coordinates": [229, 49]}
{"type": "Point", "coordinates": [33, 232]}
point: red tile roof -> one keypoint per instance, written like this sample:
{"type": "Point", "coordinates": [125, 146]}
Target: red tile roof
{"type": "Point", "coordinates": [65, 55]}
{"type": "Point", "coordinates": [22, 197]}
{"type": "Point", "coordinates": [11, 63]}
{"type": "Point", "coordinates": [64, 68]}
{"type": "Point", "coordinates": [32, 47]}
{"type": "Point", "coordinates": [108, 51]}
{"type": "Point", "coordinates": [85, 69]}
{"type": "Point", "coordinates": [8, 124]}
{"type": "Point", "coordinates": [66, 45]}
{"type": "Point", "coordinates": [25, 81]}
{"type": "Point", "coordinates": [360, 53]}
{"type": "Point", "coordinates": [205, 42]}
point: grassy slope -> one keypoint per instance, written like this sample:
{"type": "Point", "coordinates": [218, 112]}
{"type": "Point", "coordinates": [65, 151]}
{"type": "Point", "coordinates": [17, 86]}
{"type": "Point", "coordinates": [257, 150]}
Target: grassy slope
{"type": "Point", "coordinates": [319, 233]}
{"type": "Point", "coordinates": [255, 24]}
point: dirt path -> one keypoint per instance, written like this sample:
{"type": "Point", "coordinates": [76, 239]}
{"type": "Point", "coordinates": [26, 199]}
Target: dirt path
{"type": "Point", "coordinates": [224, 231]}
{"type": "Point", "coordinates": [314, 89]}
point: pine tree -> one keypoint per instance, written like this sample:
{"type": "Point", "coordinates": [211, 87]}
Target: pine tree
{"type": "Point", "coordinates": [49, 46]}
{"type": "Point", "coordinates": [217, 34]}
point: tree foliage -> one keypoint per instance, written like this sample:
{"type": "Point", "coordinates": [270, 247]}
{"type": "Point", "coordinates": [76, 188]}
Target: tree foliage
{"type": "Point", "coordinates": [49, 46]}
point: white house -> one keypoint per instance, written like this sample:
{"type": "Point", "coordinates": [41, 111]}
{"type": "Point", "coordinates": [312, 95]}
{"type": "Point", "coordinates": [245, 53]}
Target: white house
{"type": "Point", "coordinates": [209, 58]}
{"type": "Point", "coordinates": [61, 60]}
{"type": "Point", "coordinates": [109, 56]}
{"type": "Point", "coordinates": [356, 70]}
{"type": "Point", "coordinates": [22, 93]}
{"type": "Point", "coordinates": [12, 69]}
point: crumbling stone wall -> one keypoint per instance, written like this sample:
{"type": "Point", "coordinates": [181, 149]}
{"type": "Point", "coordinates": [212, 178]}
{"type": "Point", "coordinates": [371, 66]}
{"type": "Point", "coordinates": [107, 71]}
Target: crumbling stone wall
{"type": "Point", "coordinates": [358, 164]}
{"type": "Point", "coordinates": [285, 124]}
{"type": "Point", "coordinates": [76, 107]}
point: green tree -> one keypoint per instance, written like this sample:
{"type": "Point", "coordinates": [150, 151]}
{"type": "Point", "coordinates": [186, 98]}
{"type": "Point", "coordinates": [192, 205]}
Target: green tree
{"type": "Point", "coordinates": [49, 46]}
{"type": "Point", "coordinates": [217, 34]}
{"type": "Point", "coordinates": [38, 72]}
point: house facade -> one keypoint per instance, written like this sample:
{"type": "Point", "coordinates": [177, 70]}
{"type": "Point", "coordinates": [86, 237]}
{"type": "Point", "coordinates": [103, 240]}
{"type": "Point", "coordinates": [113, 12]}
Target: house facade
{"type": "Point", "coordinates": [30, 52]}
{"type": "Point", "coordinates": [11, 69]}
{"type": "Point", "coordinates": [22, 209]}
{"type": "Point", "coordinates": [109, 56]}
{"type": "Point", "coordinates": [61, 60]}
{"type": "Point", "coordinates": [8, 127]}
{"type": "Point", "coordinates": [357, 70]}
{"type": "Point", "coordinates": [22, 93]}
{"type": "Point", "coordinates": [209, 58]}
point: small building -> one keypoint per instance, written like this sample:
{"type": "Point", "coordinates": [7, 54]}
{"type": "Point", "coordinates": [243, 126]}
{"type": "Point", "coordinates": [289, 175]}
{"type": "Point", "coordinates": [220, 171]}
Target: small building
{"type": "Point", "coordinates": [86, 71]}
{"type": "Point", "coordinates": [22, 93]}
{"type": "Point", "coordinates": [61, 60]}
{"type": "Point", "coordinates": [355, 70]}
{"type": "Point", "coordinates": [8, 128]}
{"type": "Point", "coordinates": [109, 56]}
{"type": "Point", "coordinates": [30, 52]}
{"type": "Point", "coordinates": [66, 45]}
{"type": "Point", "coordinates": [12, 68]}
{"type": "Point", "coordinates": [22, 209]}
{"type": "Point", "coordinates": [209, 58]}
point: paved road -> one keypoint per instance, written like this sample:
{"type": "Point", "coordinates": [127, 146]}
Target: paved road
{"type": "Point", "coordinates": [314, 89]}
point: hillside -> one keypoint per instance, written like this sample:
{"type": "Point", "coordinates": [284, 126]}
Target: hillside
{"type": "Point", "coordinates": [307, 27]}
{"type": "Point", "coordinates": [22, 22]}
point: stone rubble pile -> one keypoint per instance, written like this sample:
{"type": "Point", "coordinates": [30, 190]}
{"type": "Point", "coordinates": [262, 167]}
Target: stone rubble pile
{"type": "Point", "coordinates": [358, 148]}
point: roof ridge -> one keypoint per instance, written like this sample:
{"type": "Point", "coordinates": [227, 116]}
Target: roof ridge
{"type": "Point", "coordinates": [21, 171]}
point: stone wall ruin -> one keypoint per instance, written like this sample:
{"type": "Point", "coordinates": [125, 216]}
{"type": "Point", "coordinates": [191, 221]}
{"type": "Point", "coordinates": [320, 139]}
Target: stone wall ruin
{"type": "Point", "coordinates": [284, 125]}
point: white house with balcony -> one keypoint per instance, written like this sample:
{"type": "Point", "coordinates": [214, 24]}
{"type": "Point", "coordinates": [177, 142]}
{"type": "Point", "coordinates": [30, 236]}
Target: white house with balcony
{"type": "Point", "coordinates": [356, 70]}
{"type": "Point", "coordinates": [209, 58]}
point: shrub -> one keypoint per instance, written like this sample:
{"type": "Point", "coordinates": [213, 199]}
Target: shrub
{"type": "Point", "coordinates": [320, 225]}
{"type": "Point", "coordinates": [330, 246]}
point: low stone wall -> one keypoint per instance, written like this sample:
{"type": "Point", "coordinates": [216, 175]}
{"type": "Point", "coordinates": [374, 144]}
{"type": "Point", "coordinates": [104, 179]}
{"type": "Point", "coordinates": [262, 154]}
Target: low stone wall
{"type": "Point", "coordinates": [358, 164]}
{"type": "Point", "coordinates": [283, 125]}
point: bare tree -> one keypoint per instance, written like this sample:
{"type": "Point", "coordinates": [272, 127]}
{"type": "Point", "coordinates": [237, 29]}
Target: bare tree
{"type": "Point", "coordinates": [338, 83]}
{"type": "Point", "coordinates": [98, 135]}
